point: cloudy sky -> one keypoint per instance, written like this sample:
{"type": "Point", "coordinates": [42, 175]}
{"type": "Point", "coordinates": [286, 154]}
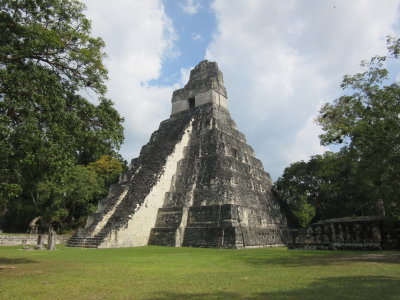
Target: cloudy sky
{"type": "Point", "coordinates": [281, 60]}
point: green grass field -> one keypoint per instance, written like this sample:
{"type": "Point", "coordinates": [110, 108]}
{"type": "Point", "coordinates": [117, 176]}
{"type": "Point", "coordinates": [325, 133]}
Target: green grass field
{"type": "Point", "coordinates": [190, 273]}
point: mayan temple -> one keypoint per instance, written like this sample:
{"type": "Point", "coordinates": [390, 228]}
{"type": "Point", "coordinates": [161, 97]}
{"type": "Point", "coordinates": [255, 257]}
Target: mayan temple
{"type": "Point", "coordinates": [196, 182]}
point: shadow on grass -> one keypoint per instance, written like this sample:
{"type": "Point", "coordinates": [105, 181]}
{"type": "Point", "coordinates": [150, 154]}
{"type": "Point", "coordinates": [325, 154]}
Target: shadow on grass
{"type": "Point", "coordinates": [321, 260]}
{"type": "Point", "coordinates": [344, 288]}
{"type": "Point", "coordinates": [16, 261]}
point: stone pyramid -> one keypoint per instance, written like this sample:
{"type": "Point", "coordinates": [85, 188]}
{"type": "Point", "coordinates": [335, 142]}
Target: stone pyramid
{"type": "Point", "coordinates": [195, 183]}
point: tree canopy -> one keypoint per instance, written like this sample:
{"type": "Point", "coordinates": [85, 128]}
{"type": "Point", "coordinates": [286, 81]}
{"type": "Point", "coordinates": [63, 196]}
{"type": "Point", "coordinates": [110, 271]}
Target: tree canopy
{"type": "Point", "coordinates": [48, 59]}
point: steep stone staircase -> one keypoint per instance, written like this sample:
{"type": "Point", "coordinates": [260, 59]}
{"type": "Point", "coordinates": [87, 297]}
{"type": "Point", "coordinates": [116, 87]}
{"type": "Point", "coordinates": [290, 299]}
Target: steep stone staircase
{"type": "Point", "coordinates": [80, 241]}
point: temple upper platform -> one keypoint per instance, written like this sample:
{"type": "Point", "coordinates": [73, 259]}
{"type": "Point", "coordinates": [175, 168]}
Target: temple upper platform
{"type": "Point", "coordinates": [205, 85]}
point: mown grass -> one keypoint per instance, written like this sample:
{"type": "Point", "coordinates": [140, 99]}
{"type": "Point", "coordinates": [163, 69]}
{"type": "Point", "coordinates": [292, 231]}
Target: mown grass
{"type": "Point", "coordinates": [190, 273]}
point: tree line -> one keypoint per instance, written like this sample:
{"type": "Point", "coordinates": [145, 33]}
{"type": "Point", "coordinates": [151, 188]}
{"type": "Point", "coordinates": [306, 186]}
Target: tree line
{"type": "Point", "coordinates": [363, 177]}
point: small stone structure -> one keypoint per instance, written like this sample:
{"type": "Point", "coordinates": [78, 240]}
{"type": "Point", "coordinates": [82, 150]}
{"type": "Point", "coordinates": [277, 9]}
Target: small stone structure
{"type": "Point", "coordinates": [358, 233]}
{"type": "Point", "coordinates": [206, 85]}
{"type": "Point", "coordinates": [196, 183]}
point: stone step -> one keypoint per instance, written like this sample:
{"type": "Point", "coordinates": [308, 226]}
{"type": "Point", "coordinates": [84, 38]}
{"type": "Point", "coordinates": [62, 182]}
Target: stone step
{"type": "Point", "coordinates": [82, 246]}
{"type": "Point", "coordinates": [87, 241]}
{"type": "Point", "coordinates": [83, 242]}
{"type": "Point", "coordinates": [102, 236]}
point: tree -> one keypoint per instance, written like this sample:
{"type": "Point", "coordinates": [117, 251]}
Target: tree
{"type": "Point", "coordinates": [323, 188]}
{"type": "Point", "coordinates": [69, 201]}
{"type": "Point", "coordinates": [108, 168]}
{"type": "Point", "coordinates": [47, 58]}
{"type": "Point", "coordinates": [299, 187]}
{"type": "Point", "coordinates": [65, 203]}
{"type": "Point", "coordinates": [303, 211]}
{"type": "Point", "coordinates": [55, 36]}
{"type": "Point", "coordinates": [367, 122]}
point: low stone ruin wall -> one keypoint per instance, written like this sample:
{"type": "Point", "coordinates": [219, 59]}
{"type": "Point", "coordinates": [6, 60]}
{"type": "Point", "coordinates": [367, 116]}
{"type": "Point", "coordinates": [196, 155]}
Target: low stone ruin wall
{"type": "Point", "coordinates": [372, 233]}
{"type": "Point", "coordinates": [28, 239]}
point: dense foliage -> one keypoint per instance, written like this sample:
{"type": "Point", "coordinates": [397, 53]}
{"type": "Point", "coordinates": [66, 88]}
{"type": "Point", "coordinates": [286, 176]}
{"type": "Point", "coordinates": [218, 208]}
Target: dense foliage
{"type": "Point", "coordinates": [322, 188]}
{"type": "Point", "coordinates": [47, 60]}
{"type": "Point", "coordinates": [364, 177]}
{"type": "Point", "coordinates": [68, 201]}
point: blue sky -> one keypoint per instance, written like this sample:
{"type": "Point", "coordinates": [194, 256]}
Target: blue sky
{"type": "Point", "coordinates": [194, 26]}
{"type": "Point", "coordinates": [281, 60]}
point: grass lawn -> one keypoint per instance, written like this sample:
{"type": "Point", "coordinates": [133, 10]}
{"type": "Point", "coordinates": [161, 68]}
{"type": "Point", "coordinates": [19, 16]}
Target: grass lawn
{"type": "Point", "coordinates": [190, 273]}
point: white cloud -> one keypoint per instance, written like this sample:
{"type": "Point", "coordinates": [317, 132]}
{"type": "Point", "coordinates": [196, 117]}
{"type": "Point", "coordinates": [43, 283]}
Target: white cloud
{"type": "Point", "coordinates": [283, 59]}
{"type": "Point", "coordinates": [185, 74]}
{"type": "Point", "coordinates": [196, 36]}
{"type": "Point", "coordinates": [191, 7]}
{"type": "Point", "coordinates": [305, 142]}
{"type": "Point", "coordinates": [138, 38]}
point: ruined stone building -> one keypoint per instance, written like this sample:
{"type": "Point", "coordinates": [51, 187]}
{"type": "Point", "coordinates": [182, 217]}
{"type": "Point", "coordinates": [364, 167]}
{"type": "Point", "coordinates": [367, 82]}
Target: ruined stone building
{"type": "Point", "coordinates": [196, 182]}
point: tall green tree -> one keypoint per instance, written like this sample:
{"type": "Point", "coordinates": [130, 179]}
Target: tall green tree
{"type": "Point", "coordinates": [367, 123]}
{"type": "Point", "coordinates": [47, 58]}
